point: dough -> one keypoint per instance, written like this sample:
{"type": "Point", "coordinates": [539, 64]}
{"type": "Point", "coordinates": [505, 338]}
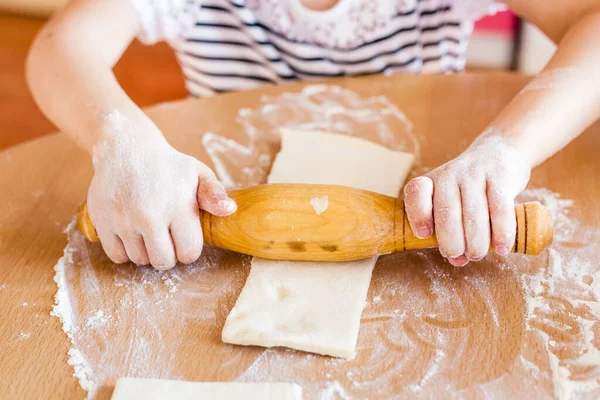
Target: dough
{"type": "Point", "coordinates": [319, 204]}
{"type": "Point", "coordinates": [157, 389]}
{"type": "Point", "coordinates": [315, 306]}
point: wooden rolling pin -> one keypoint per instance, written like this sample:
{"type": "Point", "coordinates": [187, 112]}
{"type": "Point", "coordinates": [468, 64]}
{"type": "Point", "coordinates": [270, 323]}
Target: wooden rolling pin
{"type": "Point", "coordinates": [331, 223]}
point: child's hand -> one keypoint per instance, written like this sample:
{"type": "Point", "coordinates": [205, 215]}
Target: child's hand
{"type": "Point", "coordinates": [144, 201]}
{"type": "Point", "coordinates": [471, 199]}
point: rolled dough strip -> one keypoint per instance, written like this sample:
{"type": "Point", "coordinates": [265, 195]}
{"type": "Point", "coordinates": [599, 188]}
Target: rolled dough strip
{"type": "Point", "coordinates": [159, 389]}
{"type": "Point", "coordinates": [315, 306]}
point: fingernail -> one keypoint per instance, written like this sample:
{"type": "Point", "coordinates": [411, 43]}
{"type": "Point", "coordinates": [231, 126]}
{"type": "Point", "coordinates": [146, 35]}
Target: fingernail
{"type": "Point", "coordinates": [162, 267]}
{"type": "Point", "coordinates": [459, 261]}
{"type": "Point", "coordinates": [227, 205]}
{"type": "Point", "coordinates": [502, 250]}
{"type": "Point", "coordinates": [424, 232]}
{"type": "Point", "coordinates": [475, 259]}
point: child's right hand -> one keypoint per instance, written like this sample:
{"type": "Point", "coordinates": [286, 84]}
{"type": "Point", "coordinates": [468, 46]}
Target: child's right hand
{"type": "Point", "coordinates": [144, 200]}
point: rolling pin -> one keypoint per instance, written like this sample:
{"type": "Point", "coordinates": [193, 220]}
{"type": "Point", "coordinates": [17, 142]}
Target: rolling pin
{"type": "Point", "coordinates": [331, 223]}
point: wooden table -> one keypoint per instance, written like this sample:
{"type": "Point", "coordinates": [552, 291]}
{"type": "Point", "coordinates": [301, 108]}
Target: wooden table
{"type": "Point", "coordinates": [43, 182]}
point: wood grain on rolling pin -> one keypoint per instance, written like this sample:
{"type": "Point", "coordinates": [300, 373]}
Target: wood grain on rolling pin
{"type": "Point", "coordinates": [278, 221]}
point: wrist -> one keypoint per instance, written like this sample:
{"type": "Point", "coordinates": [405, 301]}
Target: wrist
{"type": "Point", "coordinates": [135, 125]}
{"type": "Point", "coordinates": [122, 136]}
{"type": "Point", "coordinates": [507, 142]}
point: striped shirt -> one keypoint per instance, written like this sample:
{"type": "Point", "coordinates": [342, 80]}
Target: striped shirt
{"type": "Point", "coordinates": [226, 45]}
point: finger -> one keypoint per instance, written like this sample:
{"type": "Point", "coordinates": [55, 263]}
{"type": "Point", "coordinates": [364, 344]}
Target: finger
{"type": "Point", "coordinates": [135, 248]}
{"type": "Point", "coordinates": [476, 220]}
{"type": "Point", "coordinates": [418, 201]}
{"type": "Point", "coordinates": [113, 246]}
{"type": "Point", "coordinates": [187, 236]}
{"type": "Point", "coordinates": [447, 213]}
{"type": "Point", "coordinates": [212, 196]}
{"type": "Point", "coordinates": [503, 219]}
{"type": "Point", "coordinates": [159, 246]}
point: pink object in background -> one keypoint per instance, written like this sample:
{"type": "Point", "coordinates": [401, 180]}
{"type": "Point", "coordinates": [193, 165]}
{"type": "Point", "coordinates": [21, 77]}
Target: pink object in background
{"type": "Point", "coordinates": [502, 22]}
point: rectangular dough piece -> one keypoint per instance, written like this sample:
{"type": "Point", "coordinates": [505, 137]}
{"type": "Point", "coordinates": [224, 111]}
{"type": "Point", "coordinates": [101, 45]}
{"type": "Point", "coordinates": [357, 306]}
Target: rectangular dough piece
{"type": "Point", "coordinates": [161, 389]}
{"type": "Point", "coordinates": [315, 306]}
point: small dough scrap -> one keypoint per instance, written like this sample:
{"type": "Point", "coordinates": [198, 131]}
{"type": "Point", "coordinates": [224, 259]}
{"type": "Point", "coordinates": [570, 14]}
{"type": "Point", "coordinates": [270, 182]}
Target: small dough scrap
{"type": "Point", "coordinates": [161, 389]}
{"type": "Point", "coordinates": [315, 306]}
{"type": "Point", "coordinates": [319, 204]}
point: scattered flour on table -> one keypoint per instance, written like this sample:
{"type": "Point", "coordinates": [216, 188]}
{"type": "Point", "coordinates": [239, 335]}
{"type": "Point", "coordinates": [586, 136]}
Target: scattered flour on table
{"type": "Point", "coordinates": [436, 319]}
{"type": "Point", "coordinates": [316, 107]}
{"type": "Point", "coordinates": [563, 301]}
{"type": "Point", "coordinates": [124, 320]}
{"type": "Point", "coordinates": [332, 391]}
{"type": "Point", "coordinates": [421, 340]}
{"type": "Point", "coordinates": [319, 204]}
{"type": "Point", "coordinates": [98, 319]}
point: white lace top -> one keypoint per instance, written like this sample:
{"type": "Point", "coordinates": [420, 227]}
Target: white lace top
{"type": "Point", "coordinates": [225, 45]}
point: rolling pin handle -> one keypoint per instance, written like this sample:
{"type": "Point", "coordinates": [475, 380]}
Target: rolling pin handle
{"type": "Point", "coordinates": [85, 225]}
{"type": "Point", "coordinates": [534, 228]}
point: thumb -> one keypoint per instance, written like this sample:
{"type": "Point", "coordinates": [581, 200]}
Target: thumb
{"type": "Point", "coordinates": [212, 196]}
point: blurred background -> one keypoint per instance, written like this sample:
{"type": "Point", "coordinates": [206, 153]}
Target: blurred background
{"type": "Point", "coordinates": [150, 74]}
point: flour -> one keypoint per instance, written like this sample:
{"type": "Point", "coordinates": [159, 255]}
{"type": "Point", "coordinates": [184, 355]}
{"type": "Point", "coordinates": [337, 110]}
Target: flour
{"type": "Point", "coordinates": [83, 372]}
{"type": "Point", "coordinates": [98, 319]}
{"type": "Point", "coordinates": [24, 335]}
{"type": "Point", "coordinates": [316, 107]}
{"type": "Point", "coordinates": [128, 321]}
{"type": "Point", "coordinates": [433, 367]}
{"type": "Point", "coordinates": [333, 391]}
{"type": "Point", "coordinates": [171, 282]}
{"type": "Point", "coordinates": [62, 302]}
{"type": "Point", "coordinates": [64, 311]}
{"type": "Point", "coordinates": [435, 321]}
{"type": "Point", "coordinates": [319, 204]}
{"type": "Point", "coordinates": [555, 267]}
{"type": "Point", "coordinates": [552, 358]}
{"type": "Point", "coordinates": [562, 305]}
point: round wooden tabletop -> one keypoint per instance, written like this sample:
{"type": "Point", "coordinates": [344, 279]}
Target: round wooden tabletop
{"type": "Point", "coordinates": [427, 327]}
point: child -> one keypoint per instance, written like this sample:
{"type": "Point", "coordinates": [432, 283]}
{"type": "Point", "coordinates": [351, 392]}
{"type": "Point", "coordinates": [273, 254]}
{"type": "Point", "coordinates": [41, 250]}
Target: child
{"type": "Point", "coordinates": [145, 195]}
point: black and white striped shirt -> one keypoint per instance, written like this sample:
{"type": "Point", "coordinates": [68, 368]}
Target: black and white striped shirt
{"type": "Point", "coordinates": [225, 45]}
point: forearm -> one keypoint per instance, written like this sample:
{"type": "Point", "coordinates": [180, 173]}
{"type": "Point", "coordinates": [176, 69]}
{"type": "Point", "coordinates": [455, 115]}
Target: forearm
{"type": "Point", "coordinates": [69, 71]}
{"type": "Point", "coordinates": [561, 102]}
{"type": "Point", "coordinates": [79, 105]}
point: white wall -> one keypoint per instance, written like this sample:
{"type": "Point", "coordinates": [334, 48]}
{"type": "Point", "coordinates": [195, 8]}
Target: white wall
{"type": "Point", "coordinates": [536, 50]}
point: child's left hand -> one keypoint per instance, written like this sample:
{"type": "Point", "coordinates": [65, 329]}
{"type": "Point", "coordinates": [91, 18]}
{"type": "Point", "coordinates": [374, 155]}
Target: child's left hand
{"type": "Point", "coordinates": [471, 200]}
